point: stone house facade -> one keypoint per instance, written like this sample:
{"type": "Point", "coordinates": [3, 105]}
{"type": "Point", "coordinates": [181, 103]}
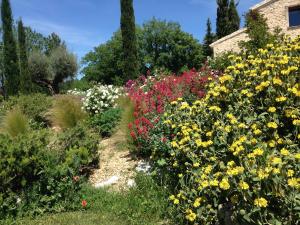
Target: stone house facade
{"type": "Point", "coordinates": [284, 14]}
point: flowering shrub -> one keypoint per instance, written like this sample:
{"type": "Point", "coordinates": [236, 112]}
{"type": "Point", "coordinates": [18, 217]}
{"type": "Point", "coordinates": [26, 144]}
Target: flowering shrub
{"type": "Point", "coordinates": [100, 98]}
{"type": "Point", "coordinates": [235, 153]}
{"type": "Point", "coordinates": [150, 95]}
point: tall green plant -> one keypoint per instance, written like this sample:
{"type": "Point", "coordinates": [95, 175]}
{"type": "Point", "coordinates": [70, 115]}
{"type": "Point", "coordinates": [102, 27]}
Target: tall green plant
{"type": "Point", "coordinates": [233, 17]}
{"type": "Point", "coordinates": [25, 79]}
{"type": "Point", "coordinates": [208, 39]}
{"type": "Point", "coordinates": [15, 123]}
{"type": "Point", "coordinates": [130, 66]}
{"type": "Point", "coordinates": [66, 112]}
{"type": "Point", "coordinates": [222, 18]}
{"type": "Point", "coordinates": [258, 32]}
{"type": "Point", "coordinates": [11, 63]}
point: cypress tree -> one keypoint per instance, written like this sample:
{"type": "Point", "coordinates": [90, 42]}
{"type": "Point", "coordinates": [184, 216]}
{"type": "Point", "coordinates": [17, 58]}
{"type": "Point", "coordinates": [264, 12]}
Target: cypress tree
{"type": "Point", "coordinates": [25, 79]}
{"type": "Point", "coordinates": [10, 57]}
{"type": "Point", "coordinates": [222, 18]}
{"type": "Point", "coordinates": [208, 39]}
{"type": "Point", "coordinates": [233, 17]}
{"type": "Point", "coordinates": [130, 65]}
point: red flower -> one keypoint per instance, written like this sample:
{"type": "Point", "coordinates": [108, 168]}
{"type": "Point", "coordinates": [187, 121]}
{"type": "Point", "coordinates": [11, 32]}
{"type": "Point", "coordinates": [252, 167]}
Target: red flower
{"type": "Point", "coordinates": [84, 203]}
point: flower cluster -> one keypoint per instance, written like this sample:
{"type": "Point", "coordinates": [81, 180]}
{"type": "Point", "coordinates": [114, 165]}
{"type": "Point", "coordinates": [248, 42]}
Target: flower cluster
{"type": "Point", "coordinates": [150, 95]}
{"type": "Point", "coordinates": [100, 98]}
{"type": "Point", "coordinates": [235, 152]}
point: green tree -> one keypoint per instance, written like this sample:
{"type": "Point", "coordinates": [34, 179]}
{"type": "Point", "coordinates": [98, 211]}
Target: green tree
{"type": "Point", "coordinates": [52, 42]}
{"type": "Point", "coordinates": [160, 45]}
{"type": "Point", "coordinates": [51, 71]}
{"type": "Point", "coordinates": [130, 66]}
{"type": "Point", "coordinates": [166, 46]}
{"type": "Point", "coordinates": [258, 32]}
{"type": "Point", "coordinates": [234, 19]}
{"type": "Point", "coordinates": [222, 18]}
{"type": "Point", "coordinates": [10, 57]}
{"type": "Point", "coordinates": [25, 79]}
{"type": "Point", "coordinates": [35, 40]}
{"type": "Point", "coordinates": [208, 39]}
{"type": "Point", "coordinates": [63, 65]}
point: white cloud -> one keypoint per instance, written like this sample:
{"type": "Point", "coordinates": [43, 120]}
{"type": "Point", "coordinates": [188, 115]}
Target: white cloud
{"type": "Point", "coordinates": [70, 34]}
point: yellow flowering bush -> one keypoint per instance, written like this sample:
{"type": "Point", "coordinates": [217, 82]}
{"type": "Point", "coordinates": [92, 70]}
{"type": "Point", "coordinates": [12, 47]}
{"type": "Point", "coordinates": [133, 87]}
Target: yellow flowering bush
{"type": "Point", "coordinates": [235, 153]}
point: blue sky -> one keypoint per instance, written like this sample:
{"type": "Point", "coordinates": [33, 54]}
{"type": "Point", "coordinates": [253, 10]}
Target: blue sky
{"type": "Point", "coordinates": [84, 24]}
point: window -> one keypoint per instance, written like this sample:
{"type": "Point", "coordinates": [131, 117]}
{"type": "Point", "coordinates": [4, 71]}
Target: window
{"type": "Point", "coordinates": [294, 16]}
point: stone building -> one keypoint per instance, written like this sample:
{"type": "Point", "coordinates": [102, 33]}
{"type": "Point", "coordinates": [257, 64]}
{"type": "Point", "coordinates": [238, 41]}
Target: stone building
{"type": "Point", "coordinates": [284, 14]}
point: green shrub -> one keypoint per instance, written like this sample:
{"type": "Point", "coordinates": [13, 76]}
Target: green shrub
{"type": "Point", "coordinates": [79, 137]}
{"type": "Point", "coordinates": [14, 123]}
{"type": "Point", "coordinates": [35, 179]}
{"type": "Point", "coordinates": [234, 155]}
{"type": "Point", "coordinates": [106, 122]}
{"type": "Point", "coordinates": [220, 62]}
{"type": "Point", "coordinates": [66, 112]}
{"type": "Point", "coordinates": [34, 106]}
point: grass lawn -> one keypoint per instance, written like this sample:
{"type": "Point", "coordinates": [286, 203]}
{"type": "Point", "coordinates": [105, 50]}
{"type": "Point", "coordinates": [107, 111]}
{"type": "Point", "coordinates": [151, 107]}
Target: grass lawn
{"type": "Point", "coordinates": [146, 204]}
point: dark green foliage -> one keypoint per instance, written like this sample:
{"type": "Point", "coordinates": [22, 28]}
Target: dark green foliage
{"type": "Point", "coordinates": [77, 137]}
{"type": "Point", "coordinates": [208, 39]}
{"type": "Point", "coordinates": [222, 18]}
{"type": "Point", "coordinates": [105, 63]}
{"type": "Point", "coordinates": [63, 64]}
{"type": "Point", "coordinates": [35, 41]}
{"type": "Point", "coordinates": [10, 57]}
{"type": "Point", "coordinates": [34, 106]}
{"type": "Point", "coordinates": [130, 66]}
{"type": "Point", "coordinates": [106, 122]}
{"type": "Point", "coordinates": [33, 178]}
{"type": "Point", "coordinates": [233, 17]}
{"type": "Point", "coordinates": [38, 170]}
{"type": "Point", "coordinates": [51, 71]}
{"type": "Point", "coordinates": [25, 78]}
{"type": "Point", "coordinates": [53, 42]}
{"type": "Point", "coordinates": [221, 62]}
{"type": "Point", "coordinates": [166, 46]}
{"type": "Point", "coordinates": [258, 32]}
{"type": "Point", "coordinates": [80, 85]}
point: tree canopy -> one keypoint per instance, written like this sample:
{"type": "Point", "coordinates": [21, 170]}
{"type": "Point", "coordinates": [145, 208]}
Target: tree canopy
{"type": "Point", "coordinates": [161, 44]}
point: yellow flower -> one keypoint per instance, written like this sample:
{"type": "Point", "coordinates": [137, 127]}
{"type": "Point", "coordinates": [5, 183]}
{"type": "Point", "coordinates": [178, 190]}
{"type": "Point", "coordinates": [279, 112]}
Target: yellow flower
{"type": "Point", "coordinates": [258, 152]}
{"type": "Point", "coordinates": [297, 156]}
{"type": "Point", "coordinates": [262, 174]}
{"type": "Point", "coordinates": [191, 216]}
{"type": "Point", "coordinates": [261, 202]}
{"type": "Point", "coordinates": [224, 184]}
{"type": "Point", "coordinates": [176, 201]}
{"type": "Point", "coordinates": [293, 182]}
{"type": "Point", "coordinates": [290, 173]}
{"type": "Point", "coordinates": [272, 125]}
{"type": "Point", "coordinates": [284, 152]}
{"type": "Point", "coordinates": [243, 185]}
{"type": "Point", "coordinates": [196, 165]}
{"type": "Point", "coordinates": [172, 197]}
{"type": "Point", "coordinates": [281, 99]}
{"type": "Point", "coordinates": [276, 160]}
{"type": "Point", "coordinates": [214, 183]}
{"type": "Point", "coordinates": [209, 134]}
{"type": "Point", "coordinates": [257, 132]}
{"type": "Point", "coordinates": [215, 108]}
{"type": "Point", "coordinates": [296, 122]}
{"type": "Point", "coordinates": [197, 202]}
{"type": "Point", "coordinates": [277, 81]}
{"type": "Point", "coordinates": [272, 109]}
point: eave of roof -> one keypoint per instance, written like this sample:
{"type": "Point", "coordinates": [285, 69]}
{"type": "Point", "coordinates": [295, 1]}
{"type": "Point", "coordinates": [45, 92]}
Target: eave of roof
{"type": "Point", "coordinates": [228, 37]}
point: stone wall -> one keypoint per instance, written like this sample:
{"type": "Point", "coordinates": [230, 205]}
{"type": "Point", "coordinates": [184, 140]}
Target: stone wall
{"type": "Point", "coordinates": [276, 12]}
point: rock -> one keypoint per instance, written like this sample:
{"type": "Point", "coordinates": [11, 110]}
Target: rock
{"type": "Point", "coordinates": [131, 183]}
{"type": "Point", "coordinates": [143, 167]}
{"type": "Point", "coordinates": [110, 181]}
